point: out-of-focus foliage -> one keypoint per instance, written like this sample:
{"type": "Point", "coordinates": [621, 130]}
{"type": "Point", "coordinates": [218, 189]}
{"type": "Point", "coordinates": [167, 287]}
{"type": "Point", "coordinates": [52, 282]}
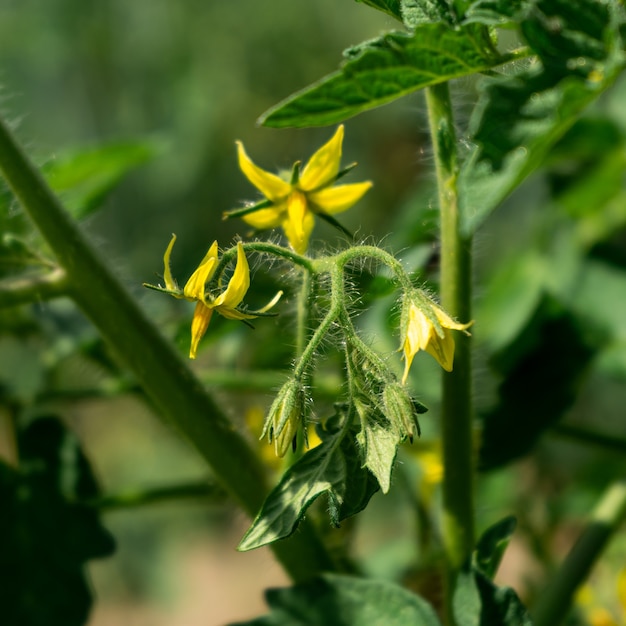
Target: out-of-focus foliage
{"type": "Point", "coordinates": [48, 531]}
{"type": "Point", "coordinates": [343, 601]}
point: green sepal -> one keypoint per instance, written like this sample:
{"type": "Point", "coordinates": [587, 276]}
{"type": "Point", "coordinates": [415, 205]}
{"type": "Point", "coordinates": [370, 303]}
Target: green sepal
{"type": "Point", "coordinates": [336, 224]}
{"type": "Point", "coordinates": [246, 210]}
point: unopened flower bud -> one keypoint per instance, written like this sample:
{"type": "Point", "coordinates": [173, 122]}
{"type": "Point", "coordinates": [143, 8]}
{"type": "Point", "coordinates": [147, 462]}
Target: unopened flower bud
{"type": "Point", "coordinates": [285, 415]}
{"type": "Point", "coordinates": [401, 410]}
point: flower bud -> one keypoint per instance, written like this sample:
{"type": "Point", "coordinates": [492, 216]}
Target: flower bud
{"type": "Point", "coordinates": [401, 410]}
{"type": "Point", "coordinates": [285, 415]}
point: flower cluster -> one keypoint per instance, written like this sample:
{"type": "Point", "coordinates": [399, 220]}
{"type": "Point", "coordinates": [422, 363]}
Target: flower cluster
{"type": "Point", "coordinates": [377, 401]}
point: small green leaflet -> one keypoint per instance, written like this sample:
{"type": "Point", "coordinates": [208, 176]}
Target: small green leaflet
{"type": "Point", "coordinates": [492, 545]}
{"type": "Point", "coordinates": [345, 601]}
{"type": "Point", "coordinates": [332, 468]}
{"type": "Point", "coordinates": [386, 68]}
{"type": "Point", "coordinates": [380, 444]}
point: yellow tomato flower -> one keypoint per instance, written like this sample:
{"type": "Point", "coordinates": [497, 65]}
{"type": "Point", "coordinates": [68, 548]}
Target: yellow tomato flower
{"type": "Point", "coordinates": [428, 327]}
{"type": "Point", "coordinates": [226, 304]}
{"type": "Point", "coordinates": [292, 204]}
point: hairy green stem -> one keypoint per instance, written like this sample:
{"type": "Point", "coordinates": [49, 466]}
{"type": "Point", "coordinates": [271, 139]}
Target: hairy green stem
{"type": "Point", "coordinates": [556, 600]}
{"type": "Point", "coordinates": [160, 370]}
{"type": "Point", "coordinates": [302, 312]}
{"type": "Point", "coordinates": [362, 252]}
{"type": "Point", "coordinates": [456, 409]}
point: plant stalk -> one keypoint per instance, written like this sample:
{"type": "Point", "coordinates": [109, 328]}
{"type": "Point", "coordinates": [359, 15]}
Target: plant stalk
{"type": "Point", "coordinates": [556, 600]}
{"type": "Point", "coordinates": [159, 369]}
{"type": "Point", "coordinates": [456, 409]}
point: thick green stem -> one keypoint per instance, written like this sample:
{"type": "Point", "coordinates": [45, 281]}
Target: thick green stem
{"type": "Point", "coordinates": [556, 600]}
{"type": "Point", "coordinates": [456, 410]}
{"type": "Point", "coordinates": [160, 370]}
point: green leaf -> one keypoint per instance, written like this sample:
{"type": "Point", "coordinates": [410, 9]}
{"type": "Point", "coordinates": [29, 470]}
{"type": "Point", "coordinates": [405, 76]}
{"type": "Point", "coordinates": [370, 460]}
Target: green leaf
{"type": "Point", "coordinates": [345, 601]}
{"type": "Point", "coordinates": [386, 68]}
{"type": "Point", "coordinates": [46, 537]}
{"type": "Point", "coordinates": [379, 442]}
{"type": "Point", "coordinates": [390, 7]}
{"type": "Point", "coordinates": [417, 12]}
{"type": "Point", "coordinates": [519, 118]}
{"type": "Point", "coordinates": [492, 545]}
{"type": "Point", "coordinates": [478, 602]}
{"type": "Point", "coordinates": [83, 178]}
{"type": "Point", "coordinates": [332, 468]}
{"type": "Point", "coordinates": [493, 12]}
{"type": "Point", "coordinates": [542, 370]}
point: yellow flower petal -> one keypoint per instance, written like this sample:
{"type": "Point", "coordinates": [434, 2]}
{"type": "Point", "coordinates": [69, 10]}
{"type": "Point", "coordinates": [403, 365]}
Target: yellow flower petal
{"type": "Point", "coordinates": [417, 335]}
{"type": "Point", "coordinates": [199, 324]}
{"type": "Point", "coordinates": [238, 284]}
{"type": "Point", "coordinates": [442, 348]}
{"type": "Point", "coordinates": [447, 322]}
{"type": "Point", "coordinates": [298, 223]}
{"type": "Point", "coordinates": [270, 185]}
{"type": "Point", "coordinates": [266, 218]}
{"type": "Point", "coordinates": [336, 199]}
{"type": "Point", "coordinates": [323, 166]}
{"type": "Point", "coordinates": [194, 289]}
{"type": "Point", "coordinates": [170, 283]}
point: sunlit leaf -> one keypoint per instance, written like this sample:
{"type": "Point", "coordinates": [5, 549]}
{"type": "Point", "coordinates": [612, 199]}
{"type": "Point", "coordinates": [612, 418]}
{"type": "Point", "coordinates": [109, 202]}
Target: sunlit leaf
{"type": "Point", "coordinates": [380, 445]}
{"type": "Point", "coordinates": [345, 601]}
{"type": "Point", "coordinates": [333, 469]}
{"type": "Point", "coordinates": [384, 69]}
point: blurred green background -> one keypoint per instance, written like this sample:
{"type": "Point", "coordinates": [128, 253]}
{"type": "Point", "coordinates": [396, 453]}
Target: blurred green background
{"type": "Point", "coordinates": [188, 79]}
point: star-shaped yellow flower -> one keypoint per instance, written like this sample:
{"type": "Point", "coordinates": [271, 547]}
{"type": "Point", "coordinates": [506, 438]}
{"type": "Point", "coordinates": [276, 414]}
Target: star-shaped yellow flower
{"type": "Point", "coordinates": [226, 304]}
{"type": "Point", "coordinates": [292, 204]}
{"type": "Point", "coordinates": [425, 326]}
